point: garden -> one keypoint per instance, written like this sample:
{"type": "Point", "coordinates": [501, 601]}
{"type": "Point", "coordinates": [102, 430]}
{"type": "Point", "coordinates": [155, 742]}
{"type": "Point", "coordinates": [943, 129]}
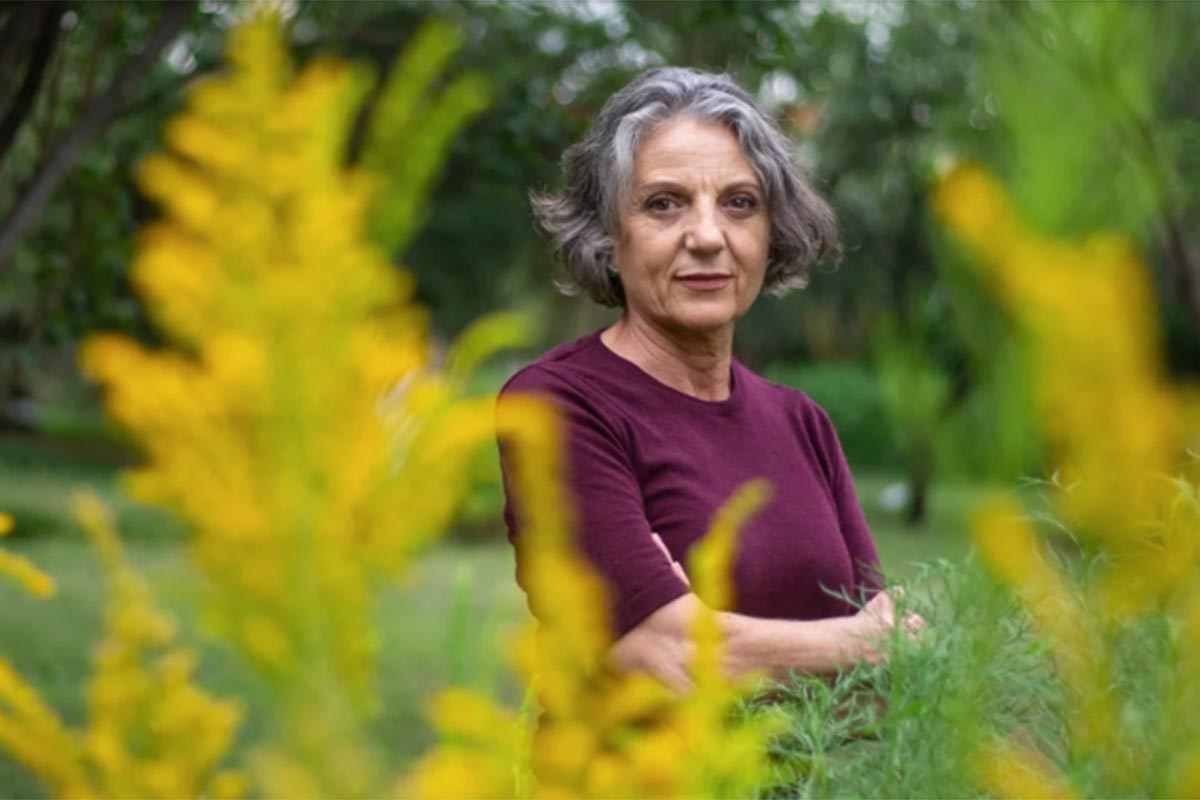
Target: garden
{"type": "Point", "coordinates": [266, 266]}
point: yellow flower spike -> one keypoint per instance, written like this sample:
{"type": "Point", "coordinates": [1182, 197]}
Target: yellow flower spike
{"type": "Point", "coordinates": [658, 760]}
{"type": "Point", "coordinates": [605, 733]}
{"type": "Point", "coordinates": [537, 465]}
{"type": "Point", "coordinates": [453, 773]}
{"type": "Point", "coordinates": [1057, 290]}
{"type": "Point", "coordinates": [21, 569]}
{"type": "Point", "coordinates": [181, 300]}
{"type": "Point", "coordinates": [205, 142]}
{"type": "Point", "coordinates": [1007, 770]}
{"type": "Point", "coordinates": [635, 699]}
{"type": "Point", "coordinates": [237, 363]}
{"type": "Point", "coordinates": [1116, 496]}
{"type": "Point", "coordinates": [228, 785]}
{"type": "Point", "coordinates": [191, 198]}
{"type": "Point", "coordinates": [162, 780]}
{"type": "Point", "coordinates": [713, 558]}
{"type": "Point", "coordinates": [35, 737]}
{"type": "Point", "coordinates": [564, 749]}
{"type": "Point", "coordinates": [265, 641]}
{"type": "Point", "coordinates": [607, 776]}
{"type": "Point", "coordinates": [32, 732]}
{"type": "Point", "coordinates": [972, 202]}
{"type": "Point", "coordinates": [24, 572]}
{"type": "Point", "coordinates": [1010, 549]}
{"type": "Point", "coordinates": [94, 518]}
{"type": "Point", "coordinates": [282, 776]}
{"type": "Point", "coordinates": [711, 565]}
{"type": "Point", "coordinates": [461, 712]}
{"type": "Point", "coordinates": [1152, 571]}
{"type": "Point", "coordinates": [260, 270]}
{"type": "Point", "coordinates": [151, 733]}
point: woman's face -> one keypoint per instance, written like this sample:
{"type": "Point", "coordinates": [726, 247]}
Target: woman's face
{"type": "Point", "coordinates": [694, 229]}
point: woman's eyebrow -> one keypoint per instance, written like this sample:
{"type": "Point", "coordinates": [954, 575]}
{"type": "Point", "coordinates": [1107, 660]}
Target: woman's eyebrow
{"type": "Point", "coordinates": [673, 186]}
{"type": "Point", "coordinates": [743, 185]}
{"type": "Point", "coordinates": [660, 186]}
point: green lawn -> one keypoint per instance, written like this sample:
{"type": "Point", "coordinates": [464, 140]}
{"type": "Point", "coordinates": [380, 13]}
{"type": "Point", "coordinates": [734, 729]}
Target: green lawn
{"type": "Point", "coordinates": [50, 641]}
{"type": "Point", "coordinates": [943, 534]}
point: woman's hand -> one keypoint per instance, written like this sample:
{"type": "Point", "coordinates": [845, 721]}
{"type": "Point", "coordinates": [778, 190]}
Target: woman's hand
{"type": "Point", "coordinates": [877, 619]}
{"type": "Point", "coordinates": [662, 646]}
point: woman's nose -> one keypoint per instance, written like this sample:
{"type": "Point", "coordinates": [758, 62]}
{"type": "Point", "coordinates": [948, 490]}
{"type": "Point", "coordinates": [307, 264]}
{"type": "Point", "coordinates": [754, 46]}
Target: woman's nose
{"type": "Point", "coordinates": [704, 235]}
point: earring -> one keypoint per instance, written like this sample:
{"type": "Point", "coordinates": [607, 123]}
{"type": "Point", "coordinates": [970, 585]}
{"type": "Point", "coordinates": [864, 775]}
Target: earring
{"type": "Point", "coordinates": [612, 271]}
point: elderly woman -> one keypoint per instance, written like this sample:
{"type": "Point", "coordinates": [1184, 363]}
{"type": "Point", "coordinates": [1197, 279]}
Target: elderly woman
{"type": "Point", "coordinates": [681, 205]}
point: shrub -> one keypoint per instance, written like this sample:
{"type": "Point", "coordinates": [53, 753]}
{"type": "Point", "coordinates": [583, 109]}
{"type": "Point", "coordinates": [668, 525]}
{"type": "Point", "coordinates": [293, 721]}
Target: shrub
{"type": "Point", "coordinates": [850, 393]}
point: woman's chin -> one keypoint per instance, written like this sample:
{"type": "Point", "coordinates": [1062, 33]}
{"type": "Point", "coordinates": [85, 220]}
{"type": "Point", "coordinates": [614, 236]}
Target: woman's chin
{"type": "Point", "coordinates": [706, 320]}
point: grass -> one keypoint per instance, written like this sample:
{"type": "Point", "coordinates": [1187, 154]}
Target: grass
{"type": "Point", "coordinates": [50, 642]}
{"type": "Point", "coordinates": [943, 535]}
{"type": "Point", "coordinates": [911, 727]}
{"type": "Point", "coordinates": [445, 624]}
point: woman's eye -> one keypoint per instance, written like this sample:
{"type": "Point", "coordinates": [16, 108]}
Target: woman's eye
{"type": "Point", "coordinates": [743, 202]}
{"type": "Point", "coordinates": [660, 204]}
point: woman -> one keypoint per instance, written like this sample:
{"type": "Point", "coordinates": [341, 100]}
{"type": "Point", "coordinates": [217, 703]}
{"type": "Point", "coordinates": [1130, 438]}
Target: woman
{"type": "Point", "coordinates": [681, 204]}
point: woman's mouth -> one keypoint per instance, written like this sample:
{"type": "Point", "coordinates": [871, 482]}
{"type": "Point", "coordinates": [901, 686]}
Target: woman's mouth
{"type": "Point", "coordinates": [706, 281]}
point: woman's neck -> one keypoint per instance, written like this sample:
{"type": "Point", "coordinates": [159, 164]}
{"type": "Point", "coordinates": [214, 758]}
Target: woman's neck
{"type": "Point", "coordinates": [697, 365]}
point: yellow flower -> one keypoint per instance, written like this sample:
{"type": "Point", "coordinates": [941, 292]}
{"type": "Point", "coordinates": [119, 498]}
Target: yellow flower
{"type": "Point", "coordinates": [294, 417]}
{"type": "Point", "coordinates": [1008, 771]}
{"type": "Point", "coordinates": [21, 569]}
{"type": "Point", "coordinates": [1012, 550]}
{"type": "Point", "coordinates": [1117, 429]}
{"type": "Point", "coordinates": [603, 733]}
{"type": "Point", "coordinates": [150, 732]}
{"type": "Point", "coordinates": [1058, 291]}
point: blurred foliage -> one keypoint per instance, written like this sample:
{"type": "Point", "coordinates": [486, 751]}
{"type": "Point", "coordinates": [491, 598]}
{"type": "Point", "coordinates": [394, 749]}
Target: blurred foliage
{"type": "Point", "coordinates": [851, 394]}
{"type": "Point", "coordinates": [289, 479]}
{"type": "Point", "coordinates": [1124, 77]}
{"type": "Point", "coordinates": [877, 97]}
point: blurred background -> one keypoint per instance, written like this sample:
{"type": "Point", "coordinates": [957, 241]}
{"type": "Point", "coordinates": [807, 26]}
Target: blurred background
{"type": "Point", "coordinates": [1088, 110]}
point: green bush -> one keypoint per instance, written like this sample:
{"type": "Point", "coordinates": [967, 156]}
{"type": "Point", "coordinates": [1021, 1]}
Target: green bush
{"type": "Point", "coordinates": [850, 394]}
{"type": "Point", "coordinates": [911, 727]}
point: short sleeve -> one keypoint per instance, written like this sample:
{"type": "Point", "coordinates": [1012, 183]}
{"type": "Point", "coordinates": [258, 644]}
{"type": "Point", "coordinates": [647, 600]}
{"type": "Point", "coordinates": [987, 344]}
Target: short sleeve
{"type": "Point", "coordinates": [613, 533]}
{"type": "Point", "coordinates": [868, 572]}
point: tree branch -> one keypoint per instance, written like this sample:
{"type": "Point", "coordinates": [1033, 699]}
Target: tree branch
{"type": "Point", "coordinates": [43, 49]}
{"type": "Point", "coordinates": [92, 121]}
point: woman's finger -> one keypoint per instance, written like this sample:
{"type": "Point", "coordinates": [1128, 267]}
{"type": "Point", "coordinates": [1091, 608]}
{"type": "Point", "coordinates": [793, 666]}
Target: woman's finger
{"type": "Point", "coordinates": [913, 624]}
{"type": "Point", "coordinates": [661, 544]}
{"type": "Point", "coordinates": [675, 565]}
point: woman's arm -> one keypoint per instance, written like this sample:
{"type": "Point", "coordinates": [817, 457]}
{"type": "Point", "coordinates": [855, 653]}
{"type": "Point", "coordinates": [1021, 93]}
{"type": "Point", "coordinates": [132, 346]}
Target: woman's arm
{"type": "Point", "coordinates": [661, 645]}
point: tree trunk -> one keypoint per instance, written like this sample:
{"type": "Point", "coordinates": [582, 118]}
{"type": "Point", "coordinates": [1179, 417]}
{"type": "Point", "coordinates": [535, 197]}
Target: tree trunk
{"type": "Point", "coordinates": [920, 474]}
{"type": "Point", "coordinates": [1184, 271]}
{"type": "Point", "coordinates": [20, 28]}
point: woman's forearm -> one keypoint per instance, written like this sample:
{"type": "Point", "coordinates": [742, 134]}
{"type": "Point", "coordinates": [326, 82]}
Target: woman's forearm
{"type": "Point", "coordinates": [662, 644]}
{"type": "Point", "coordinates": [780, 646]}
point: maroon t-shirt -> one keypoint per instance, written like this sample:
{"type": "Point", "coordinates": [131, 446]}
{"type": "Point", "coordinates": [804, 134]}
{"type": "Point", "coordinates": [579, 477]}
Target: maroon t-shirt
{"type": "Point", "coordinates": [644, 457]}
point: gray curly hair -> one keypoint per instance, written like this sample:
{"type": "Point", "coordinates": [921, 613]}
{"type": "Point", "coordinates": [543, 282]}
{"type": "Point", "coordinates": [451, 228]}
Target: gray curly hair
{"type": "Point", "coordinates": [584, 219]}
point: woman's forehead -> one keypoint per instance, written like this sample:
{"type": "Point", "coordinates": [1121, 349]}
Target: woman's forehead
{"type": "Point", "coordinates": [687, 148]}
